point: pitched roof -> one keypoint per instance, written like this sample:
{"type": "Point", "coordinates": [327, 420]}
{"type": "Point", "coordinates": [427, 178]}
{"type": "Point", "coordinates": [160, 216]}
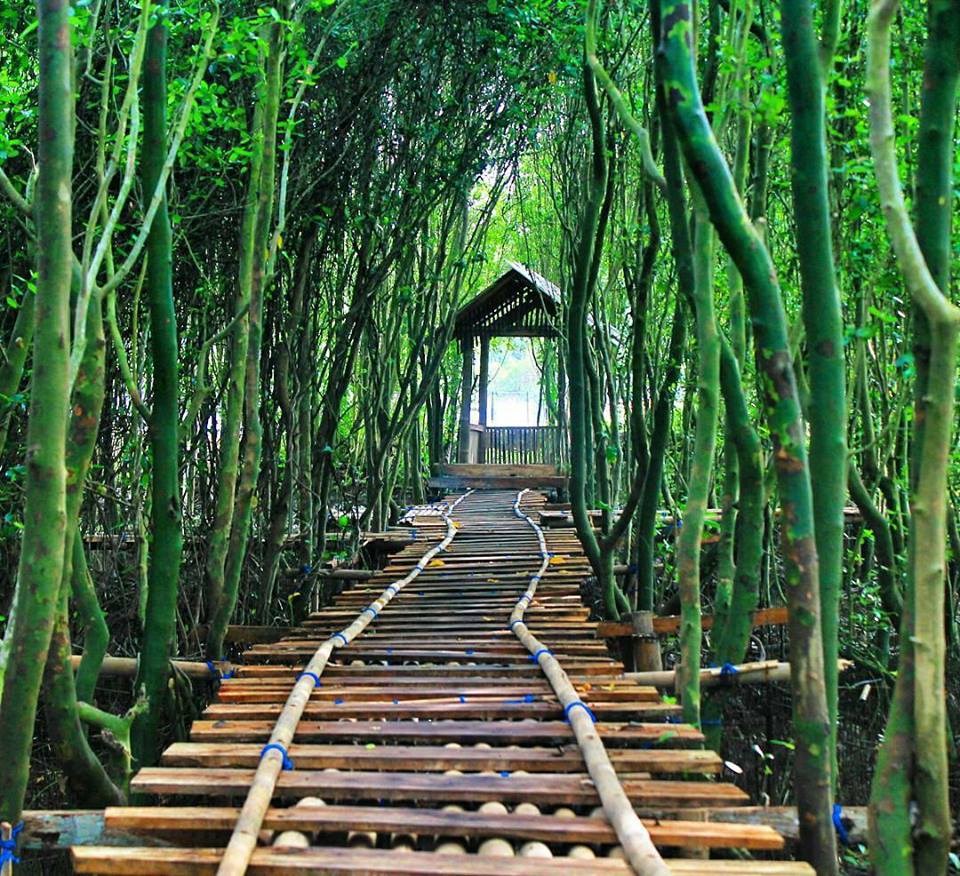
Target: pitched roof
{"type": "Point", "coordinates": [520, 303]}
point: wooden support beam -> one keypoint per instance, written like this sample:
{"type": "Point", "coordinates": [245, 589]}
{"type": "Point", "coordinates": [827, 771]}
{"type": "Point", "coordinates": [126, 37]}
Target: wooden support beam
{"type": "Point", "coordinates": [764, 617]}
{"type": "Point", "coordinates": [466, 397]}
{"type": "Point", "coordinates": [482, 397]}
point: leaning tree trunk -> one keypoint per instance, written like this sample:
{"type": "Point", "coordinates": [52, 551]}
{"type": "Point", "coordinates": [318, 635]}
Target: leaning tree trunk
{"type": "Point", "coordinates": [912, 765]}
{"type": "Point", "coordinates": [778, 387]}
{"type": "Point", "coordinates": [41, 554]}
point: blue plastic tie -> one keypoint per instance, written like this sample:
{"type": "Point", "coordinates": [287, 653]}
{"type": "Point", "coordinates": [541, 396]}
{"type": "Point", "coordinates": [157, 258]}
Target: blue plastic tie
{"type": "Point", "coordinates": [463, 699]}
{"type": "Point", "coordinates": [371, 609]}
{"type": "Point", "coordinates": [306, 568]}
{"type": "Point", "coordinates": [396, 702]}
{"type": "Point", "coordinates": [513, 623]}
{"type": "Point", "coordinates": [578, 704]}
{"type": "Point", "coordinates": [505, 774]}
{"type": "Point", "coordinates": [469, 652]}
{"type": "Point", "coordinates": [522, 598]}
{"type": "Point", "coordinates": [217, 672]}
{"type": "Point", "coordinates": [535, 657]}
{"type": "Point", "coordinates": [842, 834]}
{"type": "Point", "coordinates": [394, 589]}
{"type": "Point", "coordinates": [276, 746]}
{"type": "Point", "coordinates": [632, 569]}
{"type": "Point", "coordinates": [338, 701]}
{"type": "Point", "coordinates": [711, 722]}
{"type": "Point", "coordinates": [673, 719]}
{"type": "Point", "coordinates": [534, 578]}
{"type": "Point", "coordinates": [8, 847]}
{"type": "Point", "coordinates": [313, 675]}
{"type": "Point", "coordinates": [389, 650]}
{"type": "Point", "coordinates": [341, 637]}
{"type": "Point", "coordinates": [728, 670]}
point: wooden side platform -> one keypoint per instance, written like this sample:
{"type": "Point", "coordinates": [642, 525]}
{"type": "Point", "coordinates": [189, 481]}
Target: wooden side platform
{"type": "Point", "coordinates": [434, 745]}
{"type": "Point", "coordinates": [470, 476]}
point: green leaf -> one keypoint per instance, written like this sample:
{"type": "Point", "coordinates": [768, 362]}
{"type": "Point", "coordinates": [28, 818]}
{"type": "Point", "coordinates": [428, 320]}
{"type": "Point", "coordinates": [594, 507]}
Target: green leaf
{"type": "Point", "coordinates": [342, 62]}
{"type": "Point", "coordinates": [493, 7]}
{"type": "Point", "coordinates": [344, 521]}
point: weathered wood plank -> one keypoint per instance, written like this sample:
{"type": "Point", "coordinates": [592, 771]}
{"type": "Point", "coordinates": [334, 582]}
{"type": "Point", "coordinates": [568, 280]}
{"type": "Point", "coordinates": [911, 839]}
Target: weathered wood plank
{"type": "Point", "coordinates": [350, 862]}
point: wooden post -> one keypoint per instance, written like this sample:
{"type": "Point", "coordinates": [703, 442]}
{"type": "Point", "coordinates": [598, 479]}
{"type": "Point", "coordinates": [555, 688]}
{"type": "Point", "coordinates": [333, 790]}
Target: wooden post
{"type": "Point", "coordinates": [482, 393]}
{"type": "Point", "coordinates": [466, 396]}
{"type": "Point", "coordinates": [6, 834]}
{"type": "Point", "coordinates": [642, 647]}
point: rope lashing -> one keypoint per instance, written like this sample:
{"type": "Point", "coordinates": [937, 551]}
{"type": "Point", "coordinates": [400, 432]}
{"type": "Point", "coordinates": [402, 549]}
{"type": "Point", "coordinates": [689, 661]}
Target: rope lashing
{"type": "Point", "coordinates": [8, 847]}
{"type": "Point", "coordinates": [839, 826]}
{"type": "Point", "coordinates": [578, 704]}
{"type": "Point", "coordinates": [535, 657]}
{"type": "Point", "coordinates": [313, 675]}
{"type": "Point", "coordinates": [276, 746]}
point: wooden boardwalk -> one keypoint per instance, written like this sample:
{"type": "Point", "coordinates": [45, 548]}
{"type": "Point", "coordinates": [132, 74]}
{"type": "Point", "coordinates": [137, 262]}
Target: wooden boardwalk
{"type": "Point", "coordinates": [434, 744]}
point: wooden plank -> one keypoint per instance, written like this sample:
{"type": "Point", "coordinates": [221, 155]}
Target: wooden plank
{"type": "Point", "coordinates": [350, 862]}
{"type": "Point", "coordinates": [436, 711]}
{"type": "Point", "coordinates": [444, 482]}
{"type": "Point", "coordinates": [497, 732]}
{"type": "Point", "coordinates": [469, 470]}
{"type": "Point", "coordinates": [764, 617]}
{"type": "Point", "coordinates": [436, 822]}
{"type": "Point", "coordinates": [360, 785]}
{"type": "Point", "coordinates": [429, 758]}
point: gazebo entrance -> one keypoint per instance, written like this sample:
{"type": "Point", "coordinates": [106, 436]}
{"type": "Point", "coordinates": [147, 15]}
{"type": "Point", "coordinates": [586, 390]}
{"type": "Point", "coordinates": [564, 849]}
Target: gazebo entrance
{"type": "Point", "coordinates": [520, 304]}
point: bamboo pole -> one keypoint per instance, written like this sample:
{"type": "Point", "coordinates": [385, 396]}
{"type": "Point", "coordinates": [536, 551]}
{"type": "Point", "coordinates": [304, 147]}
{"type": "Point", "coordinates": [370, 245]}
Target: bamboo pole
{"type": "Point", "coordinates": [639, 848]}
{"type": "Point", "coordinates": [126, 667]}
{"type": "Point", "coordinates": [760, 672]}
{"type": "Point", "coordinates": [243, 840]}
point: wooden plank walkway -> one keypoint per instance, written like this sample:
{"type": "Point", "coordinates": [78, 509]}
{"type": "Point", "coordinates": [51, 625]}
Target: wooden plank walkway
{"type": "Point", "coordinates": [434, 745]}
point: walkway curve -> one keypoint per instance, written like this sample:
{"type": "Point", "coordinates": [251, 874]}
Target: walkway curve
{"type": "Point", "coordinates": [434, 745]}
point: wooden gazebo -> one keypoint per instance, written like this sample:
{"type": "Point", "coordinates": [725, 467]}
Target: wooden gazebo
{"type": "Point", "coordinates": [520, 304]}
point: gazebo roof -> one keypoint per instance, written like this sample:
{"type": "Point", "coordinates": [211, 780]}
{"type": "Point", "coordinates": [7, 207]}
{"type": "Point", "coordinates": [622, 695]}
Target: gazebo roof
{"type": "Point", "coordinates": [519, 304]}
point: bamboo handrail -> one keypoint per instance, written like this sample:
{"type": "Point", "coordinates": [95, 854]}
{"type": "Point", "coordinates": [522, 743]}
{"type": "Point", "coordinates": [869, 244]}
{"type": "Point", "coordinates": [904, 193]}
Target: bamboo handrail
{"type": "Point", "coordinates": [640, 850]}
{"type": "Point", "coordinates": [759, 672]}
{"type": "Point", "coordinates": [243, 840]}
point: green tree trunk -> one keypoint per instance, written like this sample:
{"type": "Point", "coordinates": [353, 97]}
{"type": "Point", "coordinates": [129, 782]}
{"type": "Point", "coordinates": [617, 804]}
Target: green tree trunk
{"type": "Point", "coordinates": [253, 438]}
{"type": "Point", "coordinates": [689, 542]}
{"type": "Point", "coordinates": [166, 544]}
{"type": "Point", "coordinates": [919, 707]}
{"type": "Point", "coordinates": [44, 535]}
{"type": "Point", "coordinates": [813, 784]}
{"type": "Point", "coordinates": [823, 323]}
